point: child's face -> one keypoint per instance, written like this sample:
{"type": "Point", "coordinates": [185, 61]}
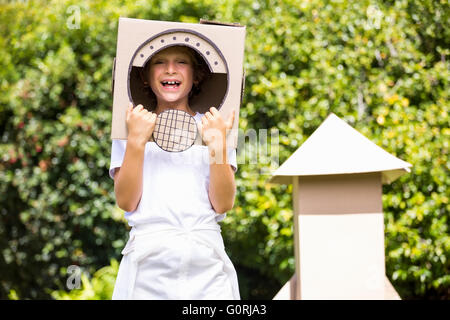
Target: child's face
{"type": "Point", "coordinates": [172, 76]}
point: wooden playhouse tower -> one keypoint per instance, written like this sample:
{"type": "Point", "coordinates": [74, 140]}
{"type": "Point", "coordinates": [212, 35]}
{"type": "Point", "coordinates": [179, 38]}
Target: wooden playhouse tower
{"type": "Point", "coordinates": [337, 177]}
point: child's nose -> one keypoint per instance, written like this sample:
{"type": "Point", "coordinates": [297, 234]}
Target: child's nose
{"type": "Point", "coordinates": [171, 68]}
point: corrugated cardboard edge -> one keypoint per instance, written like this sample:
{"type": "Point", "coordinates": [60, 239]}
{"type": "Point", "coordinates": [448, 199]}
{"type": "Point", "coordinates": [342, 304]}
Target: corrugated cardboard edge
{"type": "Point", "coordinates": [230, 24]}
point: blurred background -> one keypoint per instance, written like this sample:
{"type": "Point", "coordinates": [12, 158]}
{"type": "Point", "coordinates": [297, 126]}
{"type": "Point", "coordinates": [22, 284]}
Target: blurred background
{"type": "Point", "coordinates": [382, 66]}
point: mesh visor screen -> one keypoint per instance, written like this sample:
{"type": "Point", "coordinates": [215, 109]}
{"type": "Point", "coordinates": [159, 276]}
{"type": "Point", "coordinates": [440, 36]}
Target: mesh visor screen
{"type": "Point", "coordinates": [175, 130]}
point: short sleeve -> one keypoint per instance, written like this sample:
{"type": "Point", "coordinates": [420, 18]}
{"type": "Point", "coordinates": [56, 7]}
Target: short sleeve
{"type": "Point", "coordinates": [118, 148]}
{"type": "Point", "coordinates": [220, 217]}
{"type": "Point", "coordinates": [231, 157]}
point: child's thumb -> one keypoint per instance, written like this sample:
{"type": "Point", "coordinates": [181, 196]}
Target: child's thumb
{"type": "Point", "coordinates": [200, 128]}
{"type": "Point", "coordinates": [230, 121]}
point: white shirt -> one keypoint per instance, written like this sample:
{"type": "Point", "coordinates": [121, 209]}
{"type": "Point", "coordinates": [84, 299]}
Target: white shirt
{"type": "Point", "coordinates": [175, 185]}
{"type": "Point", "coordinates": [175, 249]}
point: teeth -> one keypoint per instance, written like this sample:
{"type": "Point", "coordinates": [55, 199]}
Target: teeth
{"type": "Point", "coordinates": [170, 82]}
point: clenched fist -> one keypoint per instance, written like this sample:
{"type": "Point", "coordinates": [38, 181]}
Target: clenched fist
{"type": "Point", "coordinates": [213, 130]}
{"type": "Point", "coordinates": [140, 123]}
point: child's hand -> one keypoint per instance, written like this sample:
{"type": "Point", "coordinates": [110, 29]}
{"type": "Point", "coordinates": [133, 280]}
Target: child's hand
{"type": "Point", "coordinates": [140, 123]}
{"type": "Point", "coordinates": [214, 129]}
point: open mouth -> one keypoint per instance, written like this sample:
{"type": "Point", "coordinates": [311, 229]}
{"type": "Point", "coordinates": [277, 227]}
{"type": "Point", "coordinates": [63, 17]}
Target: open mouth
{"type": "Point", "coordinates": [171, 84]}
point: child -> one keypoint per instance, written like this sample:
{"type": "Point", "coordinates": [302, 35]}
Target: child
{"type": "Point", "coordinates": [174, 200]}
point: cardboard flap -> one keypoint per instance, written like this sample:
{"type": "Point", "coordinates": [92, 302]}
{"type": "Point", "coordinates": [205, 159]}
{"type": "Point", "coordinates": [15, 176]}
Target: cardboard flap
{"type": "Point", "coordinates": [243, 85]}
{"type": "Point", "coordinates": [217, 23]}
{"type": "Point", "coordinates": [337, 148]}
{"type": "Point", "coordinates": [113, 75]}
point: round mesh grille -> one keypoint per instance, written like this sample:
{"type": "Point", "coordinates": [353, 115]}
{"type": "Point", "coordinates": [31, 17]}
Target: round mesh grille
{"type": "Point", "coordinates": [175, 130]}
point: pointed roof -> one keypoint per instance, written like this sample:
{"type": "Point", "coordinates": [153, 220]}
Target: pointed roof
{"type": "Point", "coordinates": [337, 148]}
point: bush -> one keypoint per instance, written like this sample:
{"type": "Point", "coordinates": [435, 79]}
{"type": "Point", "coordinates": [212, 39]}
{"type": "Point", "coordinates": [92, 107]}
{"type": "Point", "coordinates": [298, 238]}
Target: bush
{"type": "Point", "coordinates": [382, 66]}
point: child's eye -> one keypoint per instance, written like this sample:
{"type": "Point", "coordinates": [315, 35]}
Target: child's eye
{"type": "Point", "coordinates": [157, 61]}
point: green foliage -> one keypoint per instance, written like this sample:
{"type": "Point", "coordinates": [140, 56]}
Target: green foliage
{"type": "Point", "coordinates": [57, 202]}
{"type": "Point", "coordinates": [382, 66]}
{"type": "Point", "coordinates": [375, 66]}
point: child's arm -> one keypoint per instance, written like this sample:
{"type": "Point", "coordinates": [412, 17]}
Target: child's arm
{"type": "Point", "coordinates": [128, 179]}
{"type": "Point", "coordinates": [222, 188]}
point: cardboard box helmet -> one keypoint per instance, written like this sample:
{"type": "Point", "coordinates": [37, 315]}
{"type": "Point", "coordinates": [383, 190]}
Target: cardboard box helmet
{"type": "Point", "coordinates": [205, 53]}
{"type": "Point", "coordinates": [139, 41]}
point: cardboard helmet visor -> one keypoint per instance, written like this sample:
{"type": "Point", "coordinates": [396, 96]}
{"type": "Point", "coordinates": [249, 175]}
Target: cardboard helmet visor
{"type": "Point", "coordinates": [211, 92]}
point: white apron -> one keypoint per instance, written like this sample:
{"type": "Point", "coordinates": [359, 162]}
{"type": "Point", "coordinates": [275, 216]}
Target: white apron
{"type": "Point", "coordinates": [169, 262]}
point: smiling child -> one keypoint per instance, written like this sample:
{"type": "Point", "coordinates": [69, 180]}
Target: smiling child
{"type": "Point", "coordinates": [174, 200]}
